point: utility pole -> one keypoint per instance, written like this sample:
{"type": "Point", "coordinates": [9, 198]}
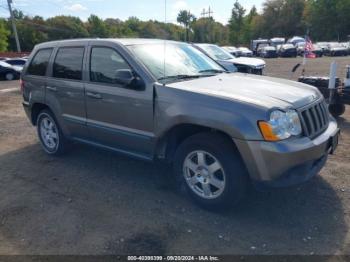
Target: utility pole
{"type": "Point", "coordinates": [205, 13]}
{"type": "Point", "coordinates": [9, 2]}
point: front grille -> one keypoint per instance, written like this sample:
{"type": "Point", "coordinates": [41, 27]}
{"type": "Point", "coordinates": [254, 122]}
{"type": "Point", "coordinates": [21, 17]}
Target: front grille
{"type": "Point", "coordinates": [314, 119]}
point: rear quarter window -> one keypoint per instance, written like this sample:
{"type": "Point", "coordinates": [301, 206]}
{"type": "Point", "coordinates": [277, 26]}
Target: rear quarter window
{"type": "Point", "coordinates": [40, 62]}
{"type": "Point", "coordinates": [68, 63]}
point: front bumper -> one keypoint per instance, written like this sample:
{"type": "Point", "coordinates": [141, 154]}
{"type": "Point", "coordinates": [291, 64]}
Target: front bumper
{"type": "Point", "coordinates": [287, 162]}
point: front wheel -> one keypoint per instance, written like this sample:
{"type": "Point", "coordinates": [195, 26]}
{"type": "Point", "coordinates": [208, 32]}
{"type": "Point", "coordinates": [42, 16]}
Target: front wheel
{"type": "Point", "coordinates": [10, 76]}
{"type": "Point", "coordinates": [50, 135]}
{"type": "Point", "coordinates": [211, 170]}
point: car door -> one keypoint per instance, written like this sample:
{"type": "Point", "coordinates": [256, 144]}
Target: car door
{"type": "Point", "coordinates": [34, 78]}
{"type": "Point", "coordinates": [118, 116]}
{"type": "Point", "coordinates": [65, 89]}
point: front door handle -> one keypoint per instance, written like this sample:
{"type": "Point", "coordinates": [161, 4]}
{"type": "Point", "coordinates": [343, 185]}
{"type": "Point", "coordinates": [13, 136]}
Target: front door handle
{"type": "Point", "coordinates": [51, 88]}
{"type": "Point", "coordinates": [94, 95]}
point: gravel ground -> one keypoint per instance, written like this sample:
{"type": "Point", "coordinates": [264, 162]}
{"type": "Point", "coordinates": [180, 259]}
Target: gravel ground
{"type": "Point", "coordinates": [96, 202]}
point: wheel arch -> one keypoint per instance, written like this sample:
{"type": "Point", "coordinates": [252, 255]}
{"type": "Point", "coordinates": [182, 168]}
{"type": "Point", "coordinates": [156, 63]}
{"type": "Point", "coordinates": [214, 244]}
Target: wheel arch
{"type": "Point", "coordinates": [169, 142]}
{"type": "Point", "coordinates": [36, 109]}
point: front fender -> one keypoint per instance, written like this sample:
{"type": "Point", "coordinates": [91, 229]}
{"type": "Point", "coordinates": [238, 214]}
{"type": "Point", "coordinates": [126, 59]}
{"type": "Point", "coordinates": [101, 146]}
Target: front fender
{"type": "Point", "coordinates": [238, 120]}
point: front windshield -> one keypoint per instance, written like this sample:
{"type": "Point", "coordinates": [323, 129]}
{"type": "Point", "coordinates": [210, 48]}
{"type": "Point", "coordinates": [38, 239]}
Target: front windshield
{"type": "Point", "coordinates": [216, 52]}
{"type": "Point", "coordinates": [175, 59]}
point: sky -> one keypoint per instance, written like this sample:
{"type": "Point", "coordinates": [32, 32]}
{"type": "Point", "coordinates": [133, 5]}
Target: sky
{"type": "Point", "coordinates": [122, 9]}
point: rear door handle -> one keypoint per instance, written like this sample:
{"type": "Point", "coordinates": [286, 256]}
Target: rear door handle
{"type": "Point", "coordinates": [51, 88]}
{"type": "Point", "coordinates": [94, 95]}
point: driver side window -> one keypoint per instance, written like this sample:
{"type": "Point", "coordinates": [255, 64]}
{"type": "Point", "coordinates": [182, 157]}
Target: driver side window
{"type": "Point", "coordinates": [104, 63]}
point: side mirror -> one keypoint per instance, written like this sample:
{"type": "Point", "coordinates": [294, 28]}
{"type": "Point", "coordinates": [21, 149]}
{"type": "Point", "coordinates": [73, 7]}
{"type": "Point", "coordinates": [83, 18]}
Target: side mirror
{"type": "Point", "coordinates": [124, 77]}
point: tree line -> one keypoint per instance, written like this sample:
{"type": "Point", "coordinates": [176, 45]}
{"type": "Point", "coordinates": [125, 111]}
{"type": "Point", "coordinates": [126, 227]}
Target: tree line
{"type": "Point", "coordinates": [323, 20]}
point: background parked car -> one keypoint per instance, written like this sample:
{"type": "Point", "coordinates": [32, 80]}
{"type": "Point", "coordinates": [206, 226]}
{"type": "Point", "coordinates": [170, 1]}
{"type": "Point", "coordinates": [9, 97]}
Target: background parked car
{"type": "Point", "coordinates": [254, 45]}
{"type": "Point", "coordinates": [287, 50]}
{"type": "Point", "coordinates": [323, 45]}
{"type": "Point", "coordinates": [347, 46]}
{"type": "Point", "coordinates": [336, 49]}
{"type": "Point", "coordinates": [267, 51]}
{"type": "Point", "coordinates": [295, 40]}
{"type": "Point", "coordinates": [230, 62]}
{"type": "Point", "coordinates": [233, 50]}
{"type": "Point", "coordinates": [245, 52]}
{"type": "Point", "coordinates": [277, 41]}
{"type": "Point", "coordinates": [16, 61]}
{"type": "Point", "coordinates": [318, 51]}
{"type": "Point", "coordinates": [9, 72]}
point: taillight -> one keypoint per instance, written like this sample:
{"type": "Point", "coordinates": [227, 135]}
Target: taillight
{"type": "Point", "coordinates": [21, 82]}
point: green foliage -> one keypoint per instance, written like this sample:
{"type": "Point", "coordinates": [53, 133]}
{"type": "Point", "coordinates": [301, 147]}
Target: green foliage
{"type": "Point", "coordinates": [31, 31]}
{"type": "Point", "coordinates": [237, 23]}
{"type": "Point", "coordinates": [96, 27]}
{"type": "Point", "coordinates": [328, 19]}
{"type": "Point", "coordinates": [282, 18]}
{"type": "Point", "coordinates": [325, 19]}
{"type": "Point", "coordinates": [186, 19]}
{"type": "Point", "coordinates": [4, 33]}
{"type": "Point", "coordinates": [206, 30]}
{"type": "Point", "coordinates": [66, 27]}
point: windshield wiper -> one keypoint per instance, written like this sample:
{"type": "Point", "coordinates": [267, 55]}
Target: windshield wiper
{"type": "Point", "coordinates": [212, 71]}
{"type": "Point", "coordinates": [179, 77]}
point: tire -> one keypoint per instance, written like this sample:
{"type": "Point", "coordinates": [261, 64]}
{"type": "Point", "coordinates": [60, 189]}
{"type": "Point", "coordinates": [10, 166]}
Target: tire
{"type": "Point", "coordinates": [337, 110]}
{"type": "Point", "coordinates": [50, 135]}
{"type": "Point", "coordinates": [230, 177]}
{"type": "Point", "coordinates": [9, 76]}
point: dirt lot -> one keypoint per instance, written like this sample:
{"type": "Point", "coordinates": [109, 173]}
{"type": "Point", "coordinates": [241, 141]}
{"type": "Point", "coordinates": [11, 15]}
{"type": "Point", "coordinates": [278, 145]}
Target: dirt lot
{"type": "Point", "coordinates": [96, 202]}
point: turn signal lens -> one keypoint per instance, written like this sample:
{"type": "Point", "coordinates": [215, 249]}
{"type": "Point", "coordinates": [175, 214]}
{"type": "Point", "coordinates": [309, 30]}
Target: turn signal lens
{"type": "Point", "coordinates": [267, 132]}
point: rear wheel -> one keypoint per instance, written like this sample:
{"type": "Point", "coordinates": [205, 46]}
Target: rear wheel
{"type": "Point", "coordinates": [50, 135]}
{"type": "Point", "coordinates": [211, 170]}
{"type": "Point", "coordinates": [10, 76]}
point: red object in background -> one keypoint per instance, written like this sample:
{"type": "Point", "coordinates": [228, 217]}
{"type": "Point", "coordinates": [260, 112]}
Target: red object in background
{"type": "Point", "coordinates": [310, 55]}
{"type": "Point", "coordinates": [309, 47]}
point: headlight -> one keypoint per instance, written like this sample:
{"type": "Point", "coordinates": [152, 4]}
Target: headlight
{"type": "Point", "coordinates": [259, 66]}
{"type": "Point", "coordinates": [281, 125]}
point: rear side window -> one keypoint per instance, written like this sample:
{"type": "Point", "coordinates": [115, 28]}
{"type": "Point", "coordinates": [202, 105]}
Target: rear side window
{"type": "Point", "coordinates": [104, 64]}
{"type": "Point", "coordinates": [68, 63]}
{"type": "Point", "coordinates": [39, 63]}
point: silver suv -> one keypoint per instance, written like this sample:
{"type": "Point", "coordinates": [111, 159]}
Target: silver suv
{"type": "Point", "coordinates": [155, 99]}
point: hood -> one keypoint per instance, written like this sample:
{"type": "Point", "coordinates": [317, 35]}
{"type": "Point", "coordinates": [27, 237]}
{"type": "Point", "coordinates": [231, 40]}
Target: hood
{"type": "Point", "coordinates": [262, 91]}
{"type": "Point", "coordinates": [254, 62]}
{"type": "Point", "coordinates": [246, 51]}
{"type": "Point", "coordinates": [18, 68]}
